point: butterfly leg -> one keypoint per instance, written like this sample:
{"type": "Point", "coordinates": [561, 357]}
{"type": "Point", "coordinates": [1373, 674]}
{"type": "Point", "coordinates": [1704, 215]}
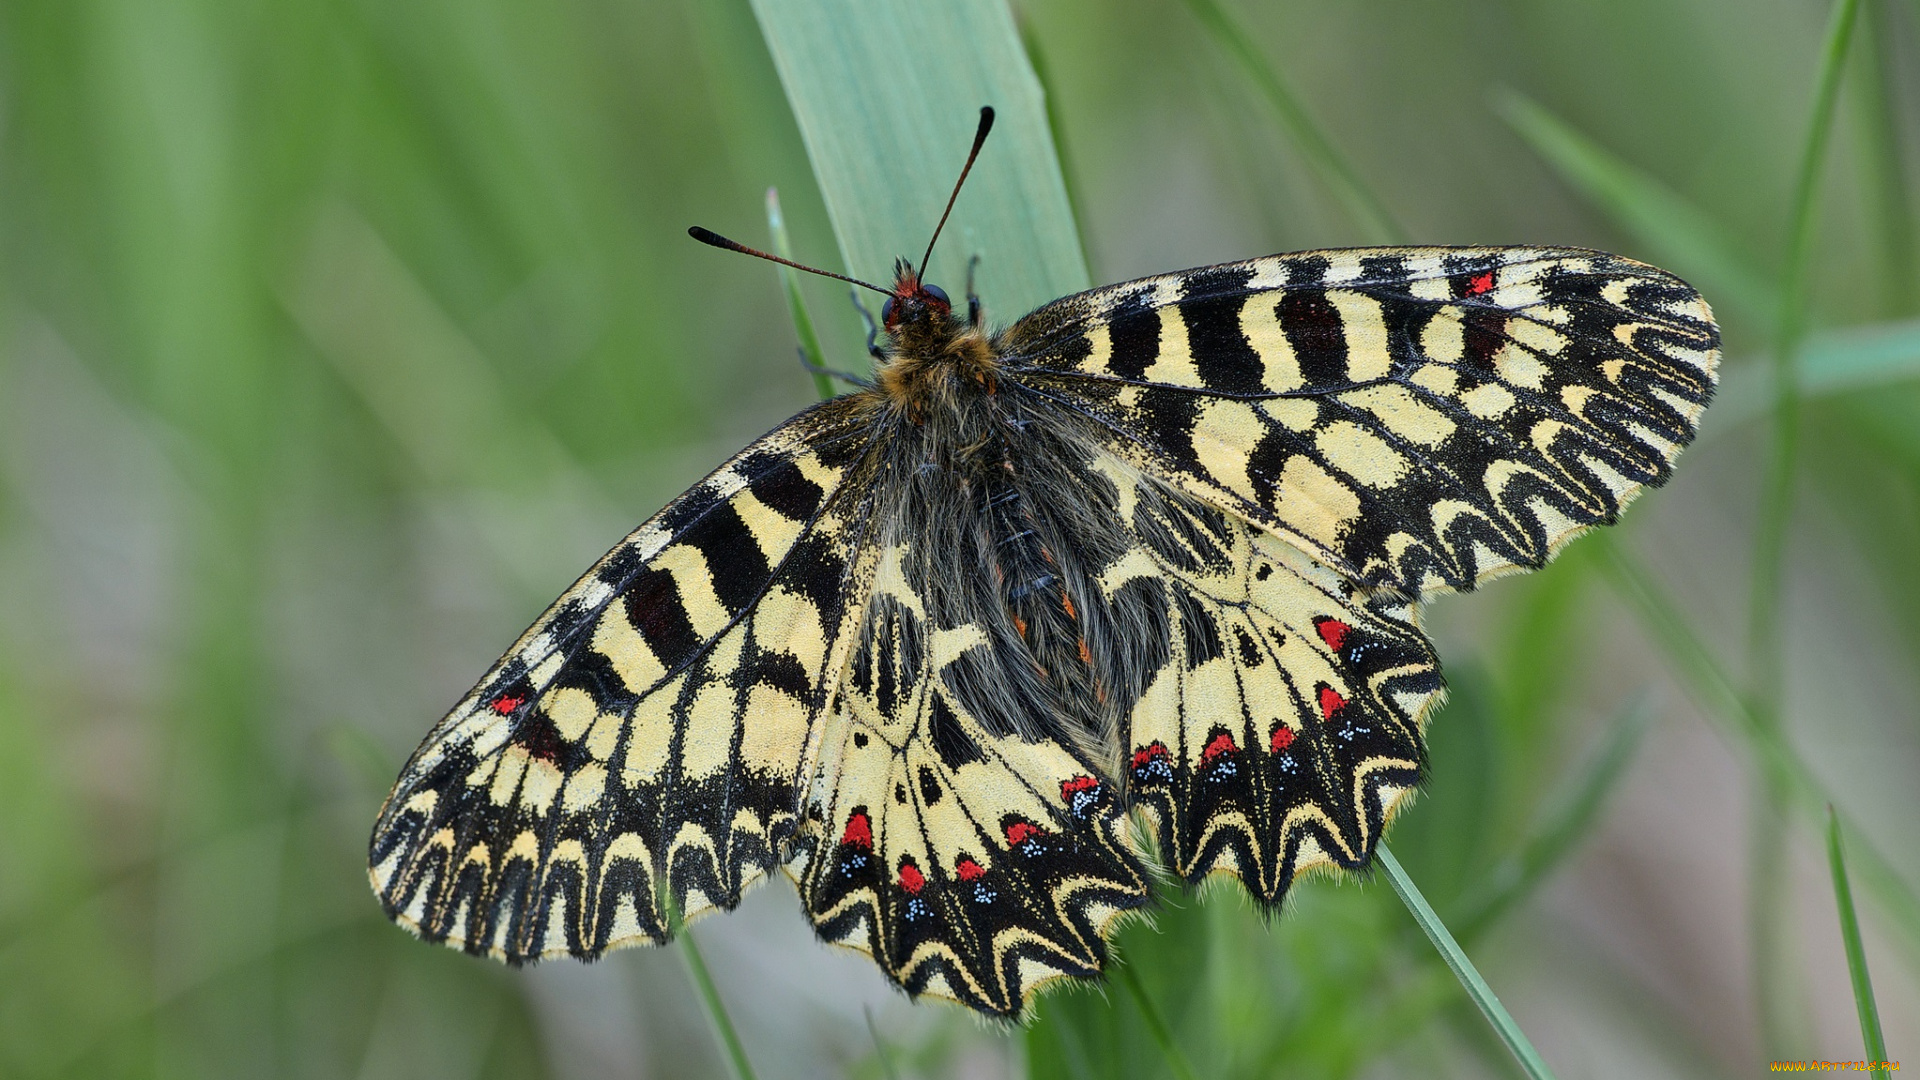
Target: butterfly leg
{"type": "Point", "coordinates": [832, 373]}
{"type": "Point", "coordinates": [973, 299]}
{"type": "Point", "coordinates": [873, 329]}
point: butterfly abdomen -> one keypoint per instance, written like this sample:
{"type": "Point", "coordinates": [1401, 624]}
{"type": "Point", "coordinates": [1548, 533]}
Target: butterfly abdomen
{"type": "Point", "coordinates": [991, 517]}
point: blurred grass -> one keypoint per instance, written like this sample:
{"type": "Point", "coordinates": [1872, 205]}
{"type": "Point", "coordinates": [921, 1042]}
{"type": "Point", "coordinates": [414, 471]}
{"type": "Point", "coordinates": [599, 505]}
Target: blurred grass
{"type": "Point", "coordinates": [1864, 1002]}
{"type": "Point", "coordinates": [1782, 1000]}
{"type": "Point", "coordinates": [1455, 958]}
{"type": "Point", "coordinates": [886, 101]}
{"type": "Point", "coordinates": [811, 354]}
{"type": "Point", "coordinates": [336, 338]}
{"type": "Point", "coordinates": [1679, 235]}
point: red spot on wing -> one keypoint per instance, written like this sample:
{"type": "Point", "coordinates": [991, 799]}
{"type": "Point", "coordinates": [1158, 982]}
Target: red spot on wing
{"type": "Point", "coordinates": [969, 870]}
{"type": "Point", "coordinates": [859, 832]}
{"type": "Point", "coordinates": [505, 704]}
{"type": "Point", "coordinates": [1020, 832]}
{"type": "Point", "coordinates": [1067, 602]}
{"type": "Point", "coordinates": [1480, 284]}
{"type": "Point", "coordinates": [911, 879]}
{"type": "Point", "coordinates": [1086, 656]}
{"type": "Point", "coordinates": [1282, 738]}
{"type": "Point", "coordinates": [1070, 788]}
{"type": "Point", "coordinates": [1330, 702]}
{"type": "Point", "coordinates": [1219, 744]}
{"type": "Point", "coordinates": [1147, 753]}
{"type": "Point", "coordinates": [1333, 632]}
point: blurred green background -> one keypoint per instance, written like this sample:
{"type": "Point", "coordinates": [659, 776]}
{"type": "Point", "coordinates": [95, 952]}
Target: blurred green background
{"type": "Point", "coordinates": [338, 336]}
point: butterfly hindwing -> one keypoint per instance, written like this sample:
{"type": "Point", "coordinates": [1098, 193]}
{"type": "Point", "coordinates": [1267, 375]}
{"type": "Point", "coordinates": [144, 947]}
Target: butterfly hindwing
{"type": "Point", "coordinates": [1287, 719]}
{"type": "Point", "coordinates": [1420, 418]}
{"type": "Point", "coordinates": [646, 735]}
{"type": "Point", "coordinates": [971, 862]}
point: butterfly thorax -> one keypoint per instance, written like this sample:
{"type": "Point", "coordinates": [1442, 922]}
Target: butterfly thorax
{"type": "Point", "coordinates": [936, 361]}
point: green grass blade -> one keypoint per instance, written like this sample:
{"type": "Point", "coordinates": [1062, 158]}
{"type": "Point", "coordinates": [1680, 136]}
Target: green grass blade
{"type": "Point", "coordinates": [1156, 1026]}
{"type": "Point", "coordinates": [1673, 230]}
{"type": "Point", "coordinates": [1831, 362]}
{"type": "Point", "coordinates": [1713, 688]}
{"type": "Point", "coordinates": [1037, 59]}
{"type": "Point", "coordinates": [1360, 201]}
{"type": "Point", "coordinates": [1876, 1043]}
{"type": "Point", "coordinates": [1782, 1014]}
{"type": "Point", "coordinates": [1483, 996]}
{"type": "Point", "coordinates": [716, 1009]}
{"type": "Point", "coordinates": [1561, 828]}
{"type": "Point", "coordinates": [1882, 168]}
{"type": "Point", "coordinates": [886, 98]}
{"type": "Point", "coordinates": [810, 349]}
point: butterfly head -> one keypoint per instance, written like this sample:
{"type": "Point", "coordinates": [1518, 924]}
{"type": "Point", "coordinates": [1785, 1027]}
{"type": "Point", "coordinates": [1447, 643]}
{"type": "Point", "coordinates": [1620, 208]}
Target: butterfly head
{"type": "Point", "coordinates": [914, 303]}
{"type": "Point", "coordinates": [936, 360]}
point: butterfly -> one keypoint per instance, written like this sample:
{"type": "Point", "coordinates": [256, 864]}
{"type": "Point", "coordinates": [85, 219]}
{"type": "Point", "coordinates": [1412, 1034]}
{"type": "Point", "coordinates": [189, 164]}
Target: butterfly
{"type": "Point", "coordinates": [928, 646]}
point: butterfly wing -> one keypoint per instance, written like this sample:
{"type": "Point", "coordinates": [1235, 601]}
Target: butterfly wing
{"type": "Point", "coordinates": [972, 863]}
{"type": "Point", "coordinates": [645, 738]}
{"type": "Point", "coordinates": [1282, 720]}
{"type": "Point", "coordinates": [1416, 418]}
{"type": "Point", "coordinates": [1307, 445]}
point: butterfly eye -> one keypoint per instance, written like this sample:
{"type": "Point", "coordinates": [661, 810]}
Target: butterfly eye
{"type": "Point", "coordinates": [886, 312]}
{"type": "Point", "coordinates": [939, 294]}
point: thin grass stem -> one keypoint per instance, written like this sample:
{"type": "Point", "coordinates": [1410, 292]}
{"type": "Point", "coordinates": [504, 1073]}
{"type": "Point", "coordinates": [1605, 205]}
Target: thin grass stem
{"type": "Point", "coordinates": [879, 1047]}
{"type": "Point", "coordinates": [1876, 1043]}
{"type": "Point", "coordinates": [1156, 1027]}
{"type": "Point", "coordinates": [715, 1008]}
{"type": "Point", "coordinates": [1763, 636]}
{"type": "Point", "coordinates": [1883, 170]}
{"type": "Point", "coordinates": [1774, 986]}
{"type": "Point", "coordinates": [796, 304]}
{"type": "Point", "coordinates": [1713, 689]}
{"type": "Point", "coordinates": [1483, 996]}
{"type": "Point", "coordinates": [703, 984]}
{"type": "Point", "coordinates": [1339, 175]}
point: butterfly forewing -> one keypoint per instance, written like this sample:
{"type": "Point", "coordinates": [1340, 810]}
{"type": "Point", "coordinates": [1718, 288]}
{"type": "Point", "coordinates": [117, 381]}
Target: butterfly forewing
{"type": "Point", "coordinates": [1419, 418]}
{"type": "Point", "coordinates": [645, 737]}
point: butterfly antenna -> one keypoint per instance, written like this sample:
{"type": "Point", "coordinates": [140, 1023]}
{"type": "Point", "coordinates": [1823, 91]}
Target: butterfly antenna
{"type": "Point", "coordinates": [714, 239]}
{"type": "Point", "coordinates": [980, 136]}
